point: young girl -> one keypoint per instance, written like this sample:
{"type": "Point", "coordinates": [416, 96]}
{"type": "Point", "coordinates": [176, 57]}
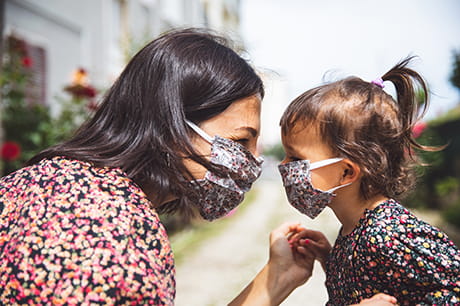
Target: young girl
{"type": "Point", "coordinates": [349, 146]}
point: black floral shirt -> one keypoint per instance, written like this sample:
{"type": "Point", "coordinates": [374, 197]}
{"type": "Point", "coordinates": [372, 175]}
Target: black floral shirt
{"type": "Point", "coordinates": [75, 234]}
{"type": "Point", "coordinates": [394, 252]}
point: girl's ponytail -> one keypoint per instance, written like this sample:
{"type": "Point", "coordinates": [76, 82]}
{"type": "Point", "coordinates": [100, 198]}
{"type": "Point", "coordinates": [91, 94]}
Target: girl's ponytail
{"type": "Point", "coordinates": [411, 98]}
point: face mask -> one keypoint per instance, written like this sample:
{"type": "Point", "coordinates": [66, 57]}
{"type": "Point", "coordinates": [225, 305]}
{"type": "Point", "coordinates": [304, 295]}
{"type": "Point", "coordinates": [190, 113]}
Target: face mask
{"type": "Point", "coordinates": [218, 195]}
{"type": "Point", "coordinates": [300, 192]}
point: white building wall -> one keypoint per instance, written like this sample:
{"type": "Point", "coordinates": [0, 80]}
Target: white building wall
{"type": "Point", "coordinates": [58, 36]}
{"type": "Point", "coordinates": [91, 33]}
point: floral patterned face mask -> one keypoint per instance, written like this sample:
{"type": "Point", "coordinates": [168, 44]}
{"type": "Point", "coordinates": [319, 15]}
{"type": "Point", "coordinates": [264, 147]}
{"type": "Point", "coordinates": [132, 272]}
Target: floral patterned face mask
{"type": "Point", "coordinates": [218, 195]}
{"type": "Point", "coordinates": [300, 192]}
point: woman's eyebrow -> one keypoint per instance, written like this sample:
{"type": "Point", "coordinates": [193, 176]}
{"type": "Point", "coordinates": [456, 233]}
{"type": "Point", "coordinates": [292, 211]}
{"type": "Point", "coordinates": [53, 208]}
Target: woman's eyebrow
{"type": "Point", "coordinates": [288, 148]}
{"type": "Point", "coordinates": [251, 130]}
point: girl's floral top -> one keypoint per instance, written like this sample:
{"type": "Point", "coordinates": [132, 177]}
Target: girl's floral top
{"type": "Point", "coordinates": [73, 234]}
{"type": "Point", "coordinates": [394, 252]}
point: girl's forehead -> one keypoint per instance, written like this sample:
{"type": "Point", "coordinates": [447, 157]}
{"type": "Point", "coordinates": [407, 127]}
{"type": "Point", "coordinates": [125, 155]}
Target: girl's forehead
{"type": "Point", "coordinates": [303, 130]}
{"type": "Point", "coordinates": [307, 142]}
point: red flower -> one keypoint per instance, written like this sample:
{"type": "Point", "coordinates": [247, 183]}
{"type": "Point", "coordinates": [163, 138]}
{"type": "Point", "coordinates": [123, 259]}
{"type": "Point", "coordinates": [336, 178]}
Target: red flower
{"type": "Point", "coordinates": [10, 151]}
{"type": "Point", "coordinates": [90, 92]}
{"type": "Point", "coordinates": [418, 129]}
{"type": "Point", "coordinates": [81, 91]}
{"type": "Point", "coordinates": [27, 62]}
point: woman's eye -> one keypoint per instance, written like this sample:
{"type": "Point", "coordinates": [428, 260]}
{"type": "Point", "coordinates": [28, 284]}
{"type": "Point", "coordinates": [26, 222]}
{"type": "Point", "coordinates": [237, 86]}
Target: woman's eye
{"type": "Point", "coordinates": [293, 158]}
{"type": "Point", "coordinates": [242, 141]}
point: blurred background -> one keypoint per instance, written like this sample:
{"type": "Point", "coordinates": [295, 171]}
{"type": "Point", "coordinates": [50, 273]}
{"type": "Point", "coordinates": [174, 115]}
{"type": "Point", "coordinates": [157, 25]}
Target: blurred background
{"type": "Point", "coordinates": [59, 57]}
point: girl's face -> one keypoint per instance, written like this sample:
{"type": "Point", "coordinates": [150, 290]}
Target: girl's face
{"type": "Point", "coordinates": [240, 122]}
{"type": "Point", "coordinates": [304, 142]}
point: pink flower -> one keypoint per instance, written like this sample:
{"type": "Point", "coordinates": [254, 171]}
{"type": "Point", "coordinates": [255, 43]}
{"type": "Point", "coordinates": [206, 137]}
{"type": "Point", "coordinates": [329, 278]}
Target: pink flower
{"type": "Point", "coordinates": [10, 151]}
{"type": "Point", "coordinates": [418, 129]}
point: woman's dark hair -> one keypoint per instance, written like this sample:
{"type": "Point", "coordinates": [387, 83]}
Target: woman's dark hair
{"type": "Point", "coordinates": [140, 126]}
{"type": "Point", "coordinates": [361, 122]}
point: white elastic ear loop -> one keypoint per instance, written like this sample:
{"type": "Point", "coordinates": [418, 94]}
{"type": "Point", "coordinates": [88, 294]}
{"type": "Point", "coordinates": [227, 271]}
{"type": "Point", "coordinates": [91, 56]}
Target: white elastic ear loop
{"type": "Point", "coordinates": [199, 131]}
{"type": "Point", "coordinates": [338, 187]}
{"type": "Point", "coordinates": [325, 162]}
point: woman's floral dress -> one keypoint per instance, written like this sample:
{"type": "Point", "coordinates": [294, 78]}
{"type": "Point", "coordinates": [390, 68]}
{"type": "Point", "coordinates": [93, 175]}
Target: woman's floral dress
{"type": "Point", "coordinates": [394, 252]}
{"type": "Point", "coordinates": [73, 234]}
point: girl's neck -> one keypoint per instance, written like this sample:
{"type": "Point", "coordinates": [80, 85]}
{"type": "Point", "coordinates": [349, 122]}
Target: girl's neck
{"type": "Point", "coordinates": [350, 212]}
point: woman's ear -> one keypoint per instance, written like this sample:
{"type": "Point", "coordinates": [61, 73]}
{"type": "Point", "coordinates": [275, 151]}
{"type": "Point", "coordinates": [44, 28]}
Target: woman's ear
{"type": "Point", "coordinates": [351, 172]}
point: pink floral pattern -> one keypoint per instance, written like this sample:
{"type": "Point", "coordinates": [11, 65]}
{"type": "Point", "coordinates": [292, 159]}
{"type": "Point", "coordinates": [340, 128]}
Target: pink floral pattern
{"type": "Point", "coordinates": [71, 233]}
{"type": "Point", "coordinates": [394, 252]}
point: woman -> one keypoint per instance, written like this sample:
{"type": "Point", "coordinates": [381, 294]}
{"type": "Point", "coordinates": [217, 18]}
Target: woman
{"type": "Point", "coordinates": [79, 224]}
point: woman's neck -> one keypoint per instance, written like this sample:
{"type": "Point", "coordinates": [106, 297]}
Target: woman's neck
{"type": "Point", "coordinates": [350, 211]}
{"type": "Point", "coordinates": [151, 195]}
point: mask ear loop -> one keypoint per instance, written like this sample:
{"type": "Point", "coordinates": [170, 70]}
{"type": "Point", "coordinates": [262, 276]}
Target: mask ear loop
{"type": "Point", "coordinates": [338, 187]}
{"type": "Point", "coordinates": [325, 162]}
{"type": "Point", "coordinates": [199, 131]}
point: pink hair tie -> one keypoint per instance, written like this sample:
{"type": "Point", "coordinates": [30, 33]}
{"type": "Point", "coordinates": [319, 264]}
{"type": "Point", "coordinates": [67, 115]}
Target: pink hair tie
{"type": "Point", "coordinates": [378, 82]}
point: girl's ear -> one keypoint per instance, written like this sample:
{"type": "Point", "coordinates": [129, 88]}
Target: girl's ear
{"type": "Point", "coordinates": [351, 172]}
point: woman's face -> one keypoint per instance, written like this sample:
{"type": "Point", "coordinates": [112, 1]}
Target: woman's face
{"type": "Point", "coordinates": [240, 122]}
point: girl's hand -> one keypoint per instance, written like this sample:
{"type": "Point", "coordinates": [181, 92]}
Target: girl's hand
{"type": "Point", "coordinates": [312, 241]}
{"type": "Point", "coordinates": [379, 299]}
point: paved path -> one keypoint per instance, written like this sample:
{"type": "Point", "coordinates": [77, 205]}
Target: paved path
{"type": "Point", "coordinates": [223, 265]}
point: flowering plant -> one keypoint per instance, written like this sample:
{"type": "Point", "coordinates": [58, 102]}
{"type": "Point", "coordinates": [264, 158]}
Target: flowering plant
{"type": "Point", "coordinates": [24, 121]}
{"type": "Point", "coordinates": [77, 106]}
{"type": "Point", "coordinates": [27, 124]}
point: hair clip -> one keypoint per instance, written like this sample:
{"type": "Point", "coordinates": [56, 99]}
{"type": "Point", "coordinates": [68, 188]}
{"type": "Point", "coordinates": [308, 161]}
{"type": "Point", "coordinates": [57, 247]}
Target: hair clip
{"type": "Point", "coordinates": [378, 82]}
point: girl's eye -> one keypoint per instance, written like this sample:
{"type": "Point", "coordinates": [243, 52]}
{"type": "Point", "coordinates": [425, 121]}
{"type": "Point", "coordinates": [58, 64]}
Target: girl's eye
{"type": "Point", "coordinates": [293, 158]}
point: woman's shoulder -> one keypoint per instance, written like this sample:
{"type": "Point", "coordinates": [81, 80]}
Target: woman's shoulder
{"type": "Point", "coordinates": [98, 217]}
{"type": "Point", "coordinates": [72, 187]}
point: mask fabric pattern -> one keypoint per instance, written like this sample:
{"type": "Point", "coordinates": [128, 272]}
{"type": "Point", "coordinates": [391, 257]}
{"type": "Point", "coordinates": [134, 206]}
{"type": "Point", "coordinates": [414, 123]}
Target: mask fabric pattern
{"type": "Point", "coordinates": [300, 192]}
{"type": "Point", "coordinates": [218, 195]}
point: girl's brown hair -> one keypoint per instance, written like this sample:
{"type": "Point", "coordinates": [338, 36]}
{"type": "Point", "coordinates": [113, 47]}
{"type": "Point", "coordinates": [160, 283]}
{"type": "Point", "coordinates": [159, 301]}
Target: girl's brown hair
{"type": "Point", "coordinates": [361, 122]}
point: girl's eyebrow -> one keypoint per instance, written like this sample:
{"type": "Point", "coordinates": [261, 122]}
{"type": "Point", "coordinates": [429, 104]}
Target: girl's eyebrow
{"type": "Point", "coordinates": [251, 130]}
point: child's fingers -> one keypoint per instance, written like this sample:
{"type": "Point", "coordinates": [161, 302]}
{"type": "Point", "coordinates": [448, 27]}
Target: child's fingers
{"type": "Point", "coordinates": [304, 251]}
{"type": "Point", "coordinates": [285, 230]}
{"type": "Point", "coordinates": [311, 246]}
{"type": "Point", "coordinates": [310, 234]}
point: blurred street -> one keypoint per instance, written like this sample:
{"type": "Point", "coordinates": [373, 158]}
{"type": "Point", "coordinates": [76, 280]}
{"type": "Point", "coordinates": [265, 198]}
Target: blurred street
{"type": "Point", "coordinates": [217, 271]}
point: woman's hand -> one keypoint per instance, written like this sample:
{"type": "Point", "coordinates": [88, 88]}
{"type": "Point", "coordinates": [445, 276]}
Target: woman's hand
{"type": "Point", "coordinates": [313, 241]}
{"type": "Point", "coordinates": [294, 263]}
{"type": "Point", "coordinates": [286, 269]}
{"type": "Point", "coordinates": [379, 299]}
